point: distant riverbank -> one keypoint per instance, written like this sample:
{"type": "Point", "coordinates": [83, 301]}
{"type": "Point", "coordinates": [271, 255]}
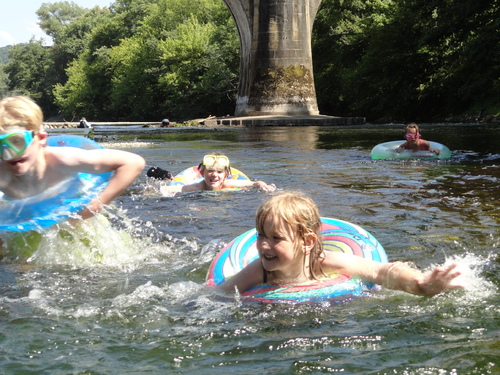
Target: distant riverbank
{"type": "Point", "coordinates": [212, 121]}
{"type": "Point", "coordinates": [251, 121]}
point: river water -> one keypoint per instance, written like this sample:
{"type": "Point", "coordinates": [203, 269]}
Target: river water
{"type": "Point", "coordinates": [135, 302]}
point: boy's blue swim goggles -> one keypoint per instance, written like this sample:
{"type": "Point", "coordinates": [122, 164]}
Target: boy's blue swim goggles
{"type": "Point", "coordinates": [15, 143]}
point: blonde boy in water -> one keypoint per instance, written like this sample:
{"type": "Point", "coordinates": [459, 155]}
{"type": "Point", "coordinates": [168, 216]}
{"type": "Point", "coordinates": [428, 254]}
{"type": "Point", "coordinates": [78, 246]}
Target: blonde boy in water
{"type": "Point", "coordinates": [215, 169]}
{"type": "Point", "coordinates": [290, 251]}
{"type": "Point", "coordinates": [29, 167]}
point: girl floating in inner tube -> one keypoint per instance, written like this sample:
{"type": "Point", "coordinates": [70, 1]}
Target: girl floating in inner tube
{"type": "Point", "coordinates": [414, 142]}
{"type": "Point", "coordinates": [290, 251]}
{"type": "Point", "coordinates": [215, 170]}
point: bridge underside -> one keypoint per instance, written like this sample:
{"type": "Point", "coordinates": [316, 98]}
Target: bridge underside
{"type": "Point", "coordinates": [276, 71]}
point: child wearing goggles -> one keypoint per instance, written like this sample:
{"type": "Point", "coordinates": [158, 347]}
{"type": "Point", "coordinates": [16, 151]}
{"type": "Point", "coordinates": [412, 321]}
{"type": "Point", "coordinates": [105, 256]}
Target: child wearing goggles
{"type": "Point", "coordinates": [215, 169]}
{"type": "Point", "coordinates": [414, 142]}
{"type": "Point", "coordinates": [290, 251]}
{"type": "Point", "coordinates": [15, 143]}
{"type": "Point", "coordinates": [28, 166]}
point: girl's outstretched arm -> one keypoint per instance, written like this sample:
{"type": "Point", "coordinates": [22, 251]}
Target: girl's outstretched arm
{"type": "Point", "coordinates": [396, 275]}
{"type": "Point", "coordinates": [400, 276]}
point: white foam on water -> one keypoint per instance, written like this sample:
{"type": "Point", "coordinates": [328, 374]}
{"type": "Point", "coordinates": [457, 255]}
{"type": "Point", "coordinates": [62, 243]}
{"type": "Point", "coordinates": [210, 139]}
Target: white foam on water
{"type": "Point", "coordinates": [476, 287]}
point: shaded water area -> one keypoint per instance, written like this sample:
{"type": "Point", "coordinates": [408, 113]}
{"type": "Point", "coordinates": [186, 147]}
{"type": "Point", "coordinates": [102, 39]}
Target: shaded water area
{"type": "Point", "coordinates": [126, 296]}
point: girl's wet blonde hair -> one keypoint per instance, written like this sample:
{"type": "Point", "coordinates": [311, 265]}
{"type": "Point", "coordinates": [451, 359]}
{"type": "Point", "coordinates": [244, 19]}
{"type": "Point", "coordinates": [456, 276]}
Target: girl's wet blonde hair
{"type": "Point", "coordinates": [302, 215]}
{"type": "Point", "coordinates": [20, 111]}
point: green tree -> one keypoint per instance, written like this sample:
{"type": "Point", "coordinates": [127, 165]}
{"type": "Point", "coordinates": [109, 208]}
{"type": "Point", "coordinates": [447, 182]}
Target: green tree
{"type": "Point", "coordinates": [4, 54]}
{"type": "Point", "coordinates": [4, 78]}
{"type": "Point", "coordinates": [55, 17]}
{"type": "Point", "coordinates": [30, 72]}
{"type": "Point", "coordinates": [4, 82]}
{"type": "Point", "coordinates": [69, 25]}
{"type": "Point", "coordinates": [342, 34]}
{"type": "Point", "coordinates": [181, 61]}
{"type": "Point", "coordinates": [33, 69]}
{"type": "Point", "coordinates": [425, 59]}
{"type": "Point", "coordinates": [73, 39]}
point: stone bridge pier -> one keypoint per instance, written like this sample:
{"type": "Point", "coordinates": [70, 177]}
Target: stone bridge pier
{"type": "Point", "coordinates": [276, 71]}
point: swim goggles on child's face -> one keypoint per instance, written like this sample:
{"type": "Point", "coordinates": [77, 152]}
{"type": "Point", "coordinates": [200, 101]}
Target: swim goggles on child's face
{"type": "Point", "coordinates": [412, 136]}
{"type": "Point", "coordinates": [211, 160]}
{"type": "Point", "coordinates": [15, 143]}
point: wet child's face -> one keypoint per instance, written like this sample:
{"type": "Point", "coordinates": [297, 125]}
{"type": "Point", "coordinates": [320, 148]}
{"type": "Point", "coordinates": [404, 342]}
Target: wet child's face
{"type": "Point", "coordinates": [214, 177]}
{"type": "Point", "coordinates": [412, 136]}
{"type": "Point", "coordinates": [277, 247]}
{"type": "Point", "coordinates": [16, 148]}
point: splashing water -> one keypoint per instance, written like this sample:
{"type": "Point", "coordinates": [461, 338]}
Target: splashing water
{"type": "Point", "coordinates": [476, 287]}
{"type": "Point", "coordinates": [94, 242]}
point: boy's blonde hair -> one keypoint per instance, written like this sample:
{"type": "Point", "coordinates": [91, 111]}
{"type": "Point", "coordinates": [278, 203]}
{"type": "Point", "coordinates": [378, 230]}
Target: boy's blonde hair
{"type": "Point", "coordinates": [301, 213]}
{"type": "Point", "coordinates": [227, 168]}
{"type": "Point", "coordinates": [20, 111]}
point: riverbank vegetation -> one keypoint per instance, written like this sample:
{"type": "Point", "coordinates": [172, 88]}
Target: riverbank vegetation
{"type": "Point", "coordinates": [386, 60]}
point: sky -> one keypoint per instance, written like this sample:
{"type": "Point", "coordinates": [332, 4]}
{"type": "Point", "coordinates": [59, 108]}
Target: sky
{"type": "Point", "coordinates": [18, 20]}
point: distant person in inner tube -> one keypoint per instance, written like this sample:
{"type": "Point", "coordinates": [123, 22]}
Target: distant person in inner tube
{"type": "Point", "coordinates": [414, 142]}
{"type": "Point", "coordinates": [215, 169]}
{"type": "Point", "coordinates": [84, 123]}
{"type": "Point", "coordinates": [28, 166]}
{"type": "Point", "coordinates": [290, 251]}
{"type": "Point", "coordinates": [165, 123]}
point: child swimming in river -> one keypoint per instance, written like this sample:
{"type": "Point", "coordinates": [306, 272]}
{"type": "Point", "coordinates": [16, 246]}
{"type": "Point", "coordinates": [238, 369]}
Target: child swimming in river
{"type": "Point", "coordinates": [290, 251]}
{"type": "Point", "coordinates": [414, 142]}
{"type": "Point", "coordinates": [215, 169]}
{"type": "Point", "coordinates": [29, 167]}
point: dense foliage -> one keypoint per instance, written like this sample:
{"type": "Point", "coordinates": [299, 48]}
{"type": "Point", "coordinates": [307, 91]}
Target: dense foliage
{"type": "Point", "coordinates": [411, 59]}
{"type": "Point", "coordinates": [148, 59]}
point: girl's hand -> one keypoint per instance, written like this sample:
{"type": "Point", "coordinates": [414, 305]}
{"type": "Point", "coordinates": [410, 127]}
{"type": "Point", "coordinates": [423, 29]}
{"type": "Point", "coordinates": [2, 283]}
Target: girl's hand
{"type": "Point", "coordinates": [268, 188]}
{"type": "Point", "coordinates": [440, 279]}
{"type": "Point", "coordinates": [265, 187]}
{"type": "Point", "coordinates": [435, 150]}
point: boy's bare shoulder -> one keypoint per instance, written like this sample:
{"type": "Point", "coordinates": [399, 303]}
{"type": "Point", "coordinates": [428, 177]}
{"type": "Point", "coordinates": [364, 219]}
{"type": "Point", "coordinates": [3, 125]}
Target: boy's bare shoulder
{"type": "Point", "coordinates": [62, 156]}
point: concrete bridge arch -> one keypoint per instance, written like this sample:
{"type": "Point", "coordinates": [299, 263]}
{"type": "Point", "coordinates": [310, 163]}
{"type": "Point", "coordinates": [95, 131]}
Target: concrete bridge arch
{"type": "Point", "coordinates": [276, 71]}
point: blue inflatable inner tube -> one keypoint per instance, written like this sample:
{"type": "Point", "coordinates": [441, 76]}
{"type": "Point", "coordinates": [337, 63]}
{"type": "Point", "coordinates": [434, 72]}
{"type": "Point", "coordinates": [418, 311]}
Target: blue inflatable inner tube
{"type": "Point", "coordinates": [60, 201]}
